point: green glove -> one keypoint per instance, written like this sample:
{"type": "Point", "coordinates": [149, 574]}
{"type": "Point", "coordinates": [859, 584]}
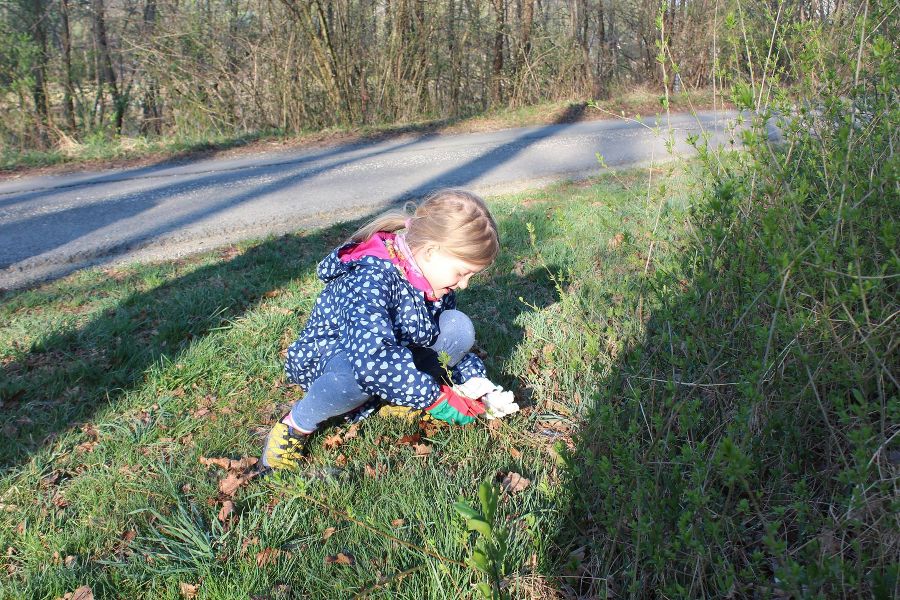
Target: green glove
{"type": "Point", "coordinates": [454, 408]}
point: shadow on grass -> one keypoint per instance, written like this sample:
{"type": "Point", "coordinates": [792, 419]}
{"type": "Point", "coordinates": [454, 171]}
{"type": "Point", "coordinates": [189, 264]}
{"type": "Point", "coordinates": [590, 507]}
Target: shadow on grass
{"type": "Point", "coordinates": [63, 380]}
{"type": "Point", "coordinates": [706, 470]}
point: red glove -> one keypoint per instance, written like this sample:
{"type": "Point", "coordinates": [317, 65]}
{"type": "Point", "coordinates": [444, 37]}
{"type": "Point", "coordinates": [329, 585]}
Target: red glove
{"type": "Point", "coordinates": [455, 408]}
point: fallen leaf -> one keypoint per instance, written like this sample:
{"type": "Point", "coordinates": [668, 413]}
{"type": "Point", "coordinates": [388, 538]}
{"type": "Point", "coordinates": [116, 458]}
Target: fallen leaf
{"type": "Point", "coordinates": [268, 555]}
{"type": "Point", "coordinates": [89, 430]}
{"type": "Point", "coordinates": [189, 590]}
{"type": "Point", "coordinates": [375, 472]}
{"type": "Point", "coordinates": [328, 533]}
{"type": "Point", "coordinates": [332, 441]}
{"type": "Point", "coordinates": [515, 453]}
{"type": "Point", "coordinates": [229, 486]}
{"type": "Point", "coordinates": [514, 483]}
{"type": "Point", "coordinates": [422, 449]}
{"type": "Point", "coordinates": [398, 522]}
{"type": "Point", "coordinates": [226, 510]}
{"type": "Point", "coordinates": [51, 479]}
{"type": "Point", "coordinates": [85, 447]}
{"type": "Point", "coordinates": [69, 561]}
{"type": "Point", "coordinates": [410, 440]}
{"type": "Point", "coordinates": [615, 241]}
{"type": "Point", "coordinates": [272, 294]}
{"type": "Point", "coordinates": [247, 543]}
{"type": "Point", "coordinates": [352, 432]}
{"type": "Point", "coordinates": [230, 464]}
{"type": "Point", "coordinates": [82, 593]}
{"type": "Point", "coordinates": [341, 460]}
{"type": "Point", "coordinates": [340, 559]}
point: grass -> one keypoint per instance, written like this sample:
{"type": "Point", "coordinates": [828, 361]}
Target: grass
{"type": "Point", "coordinates": [704, 352]}
{"type": "Point", "coordinates": [117, 381]}
{"type": "Point", "coordinates": [98, 151]}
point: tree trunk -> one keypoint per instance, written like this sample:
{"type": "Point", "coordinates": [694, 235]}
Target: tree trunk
{"type": "Point", "coordinates": [151, 117]}
{"type": "Point", "coordinates": [106, 75]}
{"type": "Point", "coordinates": [39, 71]}
{"type": "Point", "coordinates": [601, 87]}
{"type": "Point", "coordinates": [527, 26]}
{"type": "Point", "coordinates": [455, 59]}
{"type": "Point", "coordinates": [68, 87]}
{"type": "Point", "coordinates": [497, 64]}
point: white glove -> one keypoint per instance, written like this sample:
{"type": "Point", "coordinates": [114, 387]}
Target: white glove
{"type": "Point", "coordinates": [499, 403]}
{"type": "Point", "coordinates": [475, 388]}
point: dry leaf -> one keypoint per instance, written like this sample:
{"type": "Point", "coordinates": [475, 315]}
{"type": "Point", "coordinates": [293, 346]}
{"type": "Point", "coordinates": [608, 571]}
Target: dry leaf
{"type": "Point", "coordinates": [328, 533]}
{"type": "Point", "coordinates": [247, 543]}
{"type": "Point", "coordinates": [515, 453]}
{"type": "Point", "coordinates": [375, 472]}
{"type": "Point", "coordinates": [85, 447]}
{"type": "Point", "coordinates": [332, 441]}
{"type": "Point", "coordinates": [340, 559]}
{"type": "Point", "coordinates": [82, 593]}
{"type": "Point", "coordinates": [352, 432]}
{"type": "Point", "coordinates": [89, 430]}
{"type": "Point", "coordinates": [615, 241]}
{"type": "Point", "coordinates": [272, 294]}
{"type": "Point", "coordinates": [226, 510]}
{"type": "Point", "coordinates": [188, 590]}
{"type": "Point", "coordinates": [429, 428]}
{"type": "Point", "coordinates": [230, 464]}
{"type": "Point", "coordinates": [514, 483]}
{"type": "Point", "coordinates": [341, 460]}
{"type": "Point", "coordinates": [422, 449]}
{"type": "Point", "coordinates": [69, 561]}
{"type": "Point", "coordinates": [410, 440]}
{"type": "Point", "coordinates": [51, 479]}
{"type": "Point", "coordinates": [267, 555]}
{"type": "Point", "coordinates": [229, 486]}
{"type": "Point", "coordinates": [398, 522]}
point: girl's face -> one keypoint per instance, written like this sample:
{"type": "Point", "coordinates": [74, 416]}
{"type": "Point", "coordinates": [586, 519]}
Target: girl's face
{"type": "Point", "coordinates": [444, 271]}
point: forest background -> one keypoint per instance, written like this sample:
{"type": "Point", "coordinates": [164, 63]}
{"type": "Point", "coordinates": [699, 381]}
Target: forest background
{"type": "Point", "coordinates": [77, 73]}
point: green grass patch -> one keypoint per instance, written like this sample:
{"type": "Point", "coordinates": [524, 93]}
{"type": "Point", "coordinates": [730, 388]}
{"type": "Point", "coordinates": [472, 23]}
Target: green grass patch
{"type": "Point", "coordinates": [703, 353]}
{"type": "Point", "coordinates": [118, 380]}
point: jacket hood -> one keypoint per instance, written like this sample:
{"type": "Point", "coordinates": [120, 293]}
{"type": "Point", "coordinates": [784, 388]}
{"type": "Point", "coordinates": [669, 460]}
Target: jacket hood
{"type": "Point", "coordinates": [332, 266]}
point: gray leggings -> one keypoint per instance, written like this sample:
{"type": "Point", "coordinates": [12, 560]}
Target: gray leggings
{"type": "Point", "coordinates": [336, 391]}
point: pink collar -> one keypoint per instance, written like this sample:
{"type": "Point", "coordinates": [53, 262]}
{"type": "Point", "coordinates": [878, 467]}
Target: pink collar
{"type": "Point", "coordinates": [392, 247]}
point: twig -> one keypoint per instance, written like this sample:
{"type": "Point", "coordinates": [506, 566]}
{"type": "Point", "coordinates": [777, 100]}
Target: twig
{"type": "Point", "coordinates": [384, 581]}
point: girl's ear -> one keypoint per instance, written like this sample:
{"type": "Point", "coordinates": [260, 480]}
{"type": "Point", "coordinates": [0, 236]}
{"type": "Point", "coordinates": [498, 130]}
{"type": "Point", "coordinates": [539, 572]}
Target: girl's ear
{"type": "Point", "coordinates": [429, 250]}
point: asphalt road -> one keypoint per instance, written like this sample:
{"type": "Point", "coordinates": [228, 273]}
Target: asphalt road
{"type": "Point", "coordinates": [53, 225]}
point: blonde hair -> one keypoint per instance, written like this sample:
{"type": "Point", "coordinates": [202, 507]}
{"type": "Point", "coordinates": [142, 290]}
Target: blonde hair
{"type": "Point", "coordinates": [457, 221]}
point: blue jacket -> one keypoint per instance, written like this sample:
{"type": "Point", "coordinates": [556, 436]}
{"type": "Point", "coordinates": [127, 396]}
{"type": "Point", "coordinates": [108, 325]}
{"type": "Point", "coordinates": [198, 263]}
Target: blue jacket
{"type": "Point", "coordinates": [371, 312]}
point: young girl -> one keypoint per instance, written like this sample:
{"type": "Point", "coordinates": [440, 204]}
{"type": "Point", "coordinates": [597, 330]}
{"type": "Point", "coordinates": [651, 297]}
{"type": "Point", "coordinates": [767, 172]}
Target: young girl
{"type": "Point", "coordinates": [386, 317]}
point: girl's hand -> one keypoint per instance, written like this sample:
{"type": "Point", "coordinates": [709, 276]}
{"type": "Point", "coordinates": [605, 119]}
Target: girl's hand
{"type": "Point", "coordinates": [455, 408]}
{"type": "Point", "coordinates": [475, 387]}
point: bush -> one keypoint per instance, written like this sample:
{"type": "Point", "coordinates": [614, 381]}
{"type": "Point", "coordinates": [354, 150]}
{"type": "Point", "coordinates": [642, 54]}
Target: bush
{"type": "Point", "coordinates": [747, 445]}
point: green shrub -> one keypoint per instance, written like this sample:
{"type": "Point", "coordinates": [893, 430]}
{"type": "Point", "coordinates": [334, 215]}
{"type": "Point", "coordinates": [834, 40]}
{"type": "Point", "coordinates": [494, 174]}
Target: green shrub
{"type": "Point", "coordinates": [743, 446]}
